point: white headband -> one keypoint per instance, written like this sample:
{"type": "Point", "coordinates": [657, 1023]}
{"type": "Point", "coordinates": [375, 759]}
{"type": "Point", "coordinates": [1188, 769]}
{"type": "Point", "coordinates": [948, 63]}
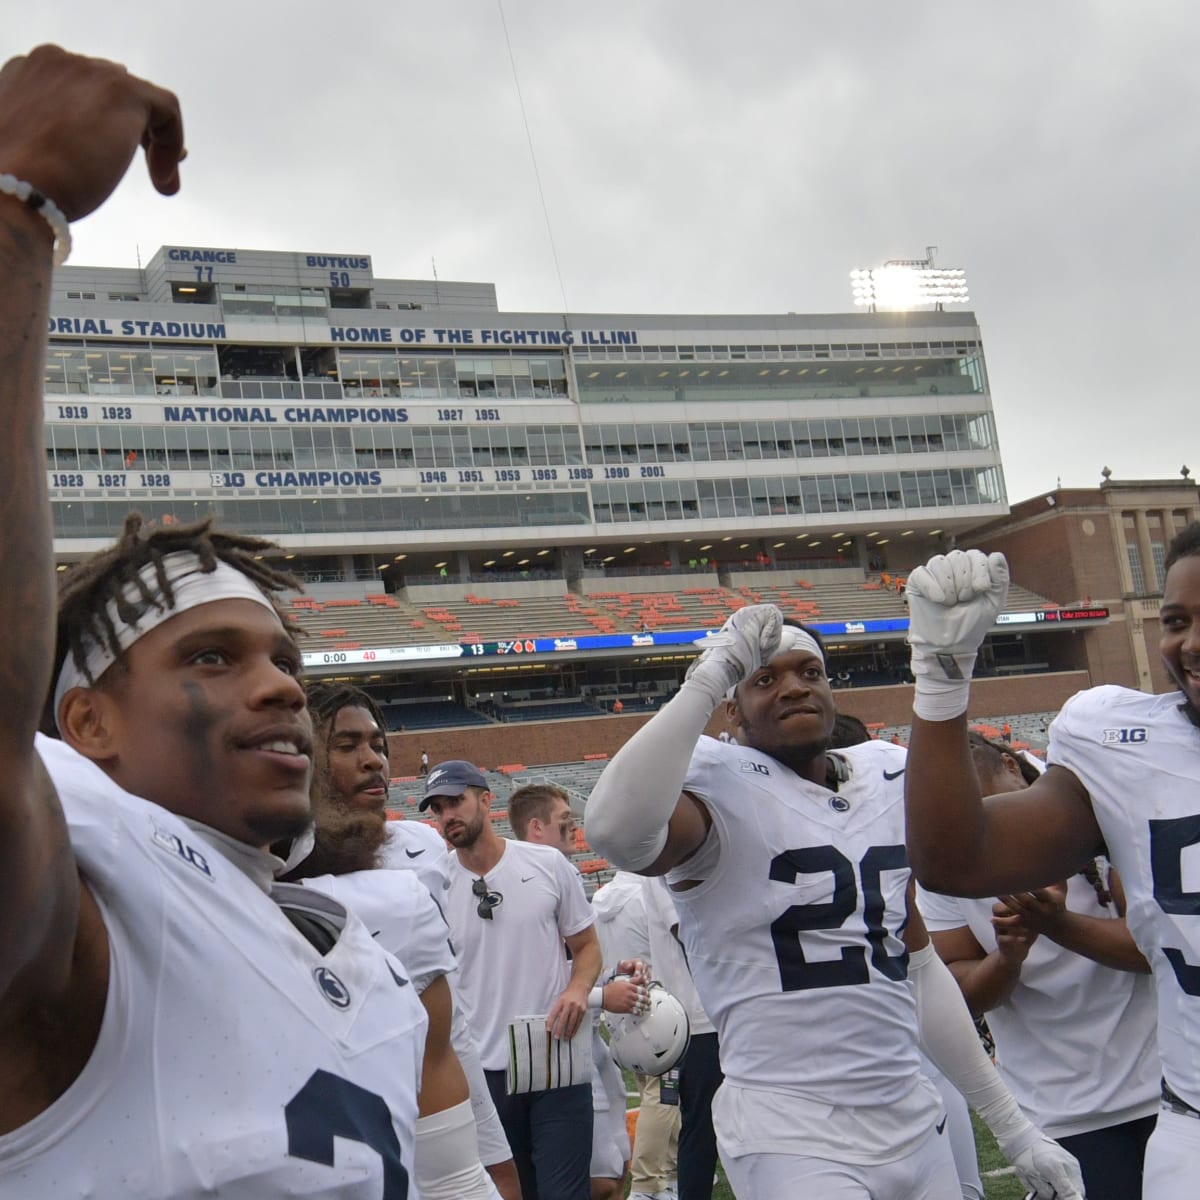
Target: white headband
{"type": "Point", "coordinates": [191, 586]}
{"type": "Point", "coordinates": [790, 639]}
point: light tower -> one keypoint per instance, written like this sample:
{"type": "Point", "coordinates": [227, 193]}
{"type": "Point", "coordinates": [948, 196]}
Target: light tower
{"type": "Point", "coordinates": [902, 284]}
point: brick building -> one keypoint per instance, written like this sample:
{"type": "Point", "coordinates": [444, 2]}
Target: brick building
{"type": "Point", "coordinates": [1103, 545]}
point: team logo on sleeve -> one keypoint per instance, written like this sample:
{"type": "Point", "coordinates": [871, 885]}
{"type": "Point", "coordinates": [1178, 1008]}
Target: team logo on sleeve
{"type": "Point", "coordinates": [756, 768]}
{"type": "Point", "coordinates": [332, 988]}
{"type": "Point", "coordinates": [1131, 736]}
{"type": "Point", "coordinates": [172, 843]}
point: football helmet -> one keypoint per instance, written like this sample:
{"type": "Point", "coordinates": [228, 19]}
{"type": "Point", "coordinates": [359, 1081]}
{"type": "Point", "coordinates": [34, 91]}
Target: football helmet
{"type": "Point", "coordinates": [653, 1043]}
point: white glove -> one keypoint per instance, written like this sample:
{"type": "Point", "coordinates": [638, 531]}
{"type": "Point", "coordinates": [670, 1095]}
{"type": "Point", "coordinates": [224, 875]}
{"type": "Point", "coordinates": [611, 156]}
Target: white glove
{"type": "Point", "coordinates": [747, 640]}
{"type": "Point", "coordinates": [952, 603]}
{"type": "Point", "coordinates": [1048, 1170]}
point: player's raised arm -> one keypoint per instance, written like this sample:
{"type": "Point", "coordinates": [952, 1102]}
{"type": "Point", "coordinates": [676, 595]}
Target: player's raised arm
{"type": "Point", "coordinates": [637, 815]}
{"type": "Point", "coordinates": [957, 843]}
{"type": "Point", "coordinates": [69, 127]}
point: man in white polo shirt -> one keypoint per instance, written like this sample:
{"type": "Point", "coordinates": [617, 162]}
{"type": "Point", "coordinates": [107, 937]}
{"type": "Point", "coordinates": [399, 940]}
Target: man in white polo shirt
{"type": "Point", "coordinates": [512, 907]}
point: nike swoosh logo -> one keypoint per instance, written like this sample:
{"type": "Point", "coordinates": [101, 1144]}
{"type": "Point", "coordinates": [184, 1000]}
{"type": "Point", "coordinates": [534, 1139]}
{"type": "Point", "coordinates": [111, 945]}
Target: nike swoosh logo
{"type": "Point", "coordinates": [401, 982]}
{"type": "Point", "coordinates": [526, 878]}
{"type": "Point", "coordinates": [889, 775]}
{"type": "Point", "coordinates": [942, 1126]}
{"type": "Point", "coordinates": [414, 853]}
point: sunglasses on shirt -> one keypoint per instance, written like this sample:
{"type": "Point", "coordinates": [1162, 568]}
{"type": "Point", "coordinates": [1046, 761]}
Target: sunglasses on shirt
{"type": "Point", "coordinates": [488, 899]}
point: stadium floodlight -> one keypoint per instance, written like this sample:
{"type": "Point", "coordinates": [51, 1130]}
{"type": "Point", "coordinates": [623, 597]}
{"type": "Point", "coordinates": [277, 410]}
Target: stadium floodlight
{"type": "Point", "coordinates": [902, 284]}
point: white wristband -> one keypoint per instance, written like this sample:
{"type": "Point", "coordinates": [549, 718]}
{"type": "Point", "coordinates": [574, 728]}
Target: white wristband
{"type": "Point", "coordinates": [940, 699]}
{"type": "Point", "coordinates": [596, 997]}
{"type": "Point", "coordinates": [10, 185]}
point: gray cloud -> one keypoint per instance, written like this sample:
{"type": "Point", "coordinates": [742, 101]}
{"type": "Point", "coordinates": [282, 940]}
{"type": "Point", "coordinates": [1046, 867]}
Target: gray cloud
{"type": "Point", "coordinates": [701, 157]}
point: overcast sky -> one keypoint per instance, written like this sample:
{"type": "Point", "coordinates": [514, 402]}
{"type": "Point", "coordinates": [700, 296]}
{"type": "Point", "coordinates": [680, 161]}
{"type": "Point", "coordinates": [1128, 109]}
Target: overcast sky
{"type": "Point", "coordinates": [716, 158]}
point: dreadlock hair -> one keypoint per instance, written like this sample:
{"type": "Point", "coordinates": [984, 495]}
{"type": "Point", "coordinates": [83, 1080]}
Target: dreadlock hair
{"type": "Point", "coordinates": [1183, 545]}
{"type": "Point", "coordinates": [326, 700]}
{"type": "Point", "coordinates": [85, 592]}
{"type": "Point", "coordinates": [989, 755]}
{"type": "Point", "coordinates": [848, 731]}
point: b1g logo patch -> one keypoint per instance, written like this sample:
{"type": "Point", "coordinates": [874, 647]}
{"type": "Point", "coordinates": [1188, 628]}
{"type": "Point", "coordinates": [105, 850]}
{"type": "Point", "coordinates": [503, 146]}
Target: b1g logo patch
{"type": "Point", "coordinates": [754, 768]}
{"type": "Point", "coordinates": [1132, 736]}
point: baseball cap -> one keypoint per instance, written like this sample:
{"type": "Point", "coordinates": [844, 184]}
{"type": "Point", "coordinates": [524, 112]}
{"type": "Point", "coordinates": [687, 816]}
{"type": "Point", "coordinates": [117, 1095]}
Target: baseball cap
{"type": "Point", "coordinates": [451, 778]}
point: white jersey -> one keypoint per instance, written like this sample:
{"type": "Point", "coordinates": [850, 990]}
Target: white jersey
{"type": "Point", "coordinates": [667, 960]}
{"type": "Point", "coordinates": [1075, 1041]}
{"type": "Point", "coordinates": [233, 1059]}
{"type": "Point", "coordinates": [416, 846]}
{"type": "Point", "coordinates": [514, 965]}
{"type": "Point", "coordinates": [793, 937]}
{"type": "Point", "coordinates": [1138, 756]}
{"type": "Point", "coordinates": [621, 919]}
{"type": "Point", "coordinates": [401, 916]}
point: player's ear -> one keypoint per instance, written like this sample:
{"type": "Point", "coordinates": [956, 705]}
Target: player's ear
{"type": "Point", "coordinates": [88, 723]}
{"type": "Point", "coordinates": [1011, 765]}
{"type": "Point", "coordinates": [733, 714]}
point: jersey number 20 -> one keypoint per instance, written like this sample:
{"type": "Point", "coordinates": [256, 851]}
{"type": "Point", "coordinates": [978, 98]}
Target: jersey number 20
{"type": "Point", "coordinates": [796, 973]}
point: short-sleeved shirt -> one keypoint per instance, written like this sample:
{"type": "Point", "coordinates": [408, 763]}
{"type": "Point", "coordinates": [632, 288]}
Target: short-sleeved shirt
{"type": "Point", "coordinates": [1138, 756]}
{"type": "Point", "coordinates": [515, 964]}
{"type": "Point", "coordinates": [794, 940]}
{"type": "Point", "coordinates": [416, 846]}
{"type": "Point", "coordinates": [1075, 1040]}
{"type": "Point", "coordinates": [400, 915]}
{"type": "Point", "coordinates": [234, 1057]}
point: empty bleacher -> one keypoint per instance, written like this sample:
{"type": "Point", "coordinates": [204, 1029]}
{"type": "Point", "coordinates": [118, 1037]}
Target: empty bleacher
{"type": "Point", "coordinates": [379, 619]}
{"type": "Point", "coordinates": [433, 714]}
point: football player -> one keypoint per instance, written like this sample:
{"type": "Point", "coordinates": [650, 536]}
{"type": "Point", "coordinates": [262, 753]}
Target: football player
{"type": "Point", "coordinates": [172, 1024]}
{"type": "Point", "coordinates": [349, 798]}
{"type": "Point", "coordinates": [1058, 975]}
{"type": "Point", "coordinates": [788, 870]}
{"type": "Point", "coordinates": [1122, 782]}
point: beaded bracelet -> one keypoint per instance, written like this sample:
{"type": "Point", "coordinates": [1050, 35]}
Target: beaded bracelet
{"type": "Point", "coordinates": [10, 185]}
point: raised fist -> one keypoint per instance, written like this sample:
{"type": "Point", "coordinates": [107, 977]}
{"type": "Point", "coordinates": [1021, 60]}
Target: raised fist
{"type": "Point", "coordinates": [70, 126]}
{"type": "Point", "coordinates": [952, 603]}
{"type": "Point", "coordinates": [747, 640]}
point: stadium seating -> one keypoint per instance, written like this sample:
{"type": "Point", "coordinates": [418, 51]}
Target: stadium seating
{"type": "Point", "coordinates": [387, 620]}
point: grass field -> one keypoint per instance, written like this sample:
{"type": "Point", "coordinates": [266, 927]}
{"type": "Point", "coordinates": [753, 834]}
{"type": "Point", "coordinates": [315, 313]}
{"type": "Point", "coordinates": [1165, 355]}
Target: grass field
{"type": "Point", "coordinates": [995, 1186]}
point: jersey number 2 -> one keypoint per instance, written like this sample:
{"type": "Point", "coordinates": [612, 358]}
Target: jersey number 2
{"type": "Point", "coordinates": [328, 1106]}
{"type": "Point", "coordinates": [796, 973]}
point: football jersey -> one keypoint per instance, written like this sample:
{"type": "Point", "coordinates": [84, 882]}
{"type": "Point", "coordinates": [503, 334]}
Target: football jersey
{"type": "Point", "coordinates": [1075, 1040]}
{"type": "Point", "coordinates": [793, 937]}
{"type": "Point", "coordinates": [1138, 756]}
{"type": "Point", "coordinates": [416, 846]}
{"type": "Point", "coordinates": [401, 916]}
{"type": "Point", "coordinates": [233, 1058]}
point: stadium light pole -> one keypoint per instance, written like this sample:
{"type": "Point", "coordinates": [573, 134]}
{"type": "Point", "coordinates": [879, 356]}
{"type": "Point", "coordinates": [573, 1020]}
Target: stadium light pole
{"type": "Point", "coordinates": [902, 284]}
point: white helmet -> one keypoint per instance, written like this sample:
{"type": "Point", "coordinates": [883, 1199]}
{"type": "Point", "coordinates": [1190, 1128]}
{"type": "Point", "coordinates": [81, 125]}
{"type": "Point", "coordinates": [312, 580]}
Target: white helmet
{"type": "Point", "coordinates": [653, 1043]}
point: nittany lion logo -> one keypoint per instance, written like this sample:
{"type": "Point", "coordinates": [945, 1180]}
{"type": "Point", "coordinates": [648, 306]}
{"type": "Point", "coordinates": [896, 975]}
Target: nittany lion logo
{"type": "Point", "coordinates": [1124, 737]}
{"type": "Point", "coordinates": [332, 988]}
